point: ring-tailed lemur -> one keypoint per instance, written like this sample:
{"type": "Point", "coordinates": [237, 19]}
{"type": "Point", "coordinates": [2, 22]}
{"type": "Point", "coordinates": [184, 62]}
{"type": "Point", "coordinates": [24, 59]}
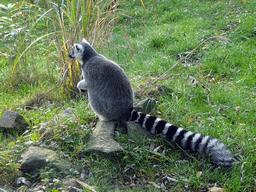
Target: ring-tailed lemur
{"type": "Point", "coordinates": [111, 96]}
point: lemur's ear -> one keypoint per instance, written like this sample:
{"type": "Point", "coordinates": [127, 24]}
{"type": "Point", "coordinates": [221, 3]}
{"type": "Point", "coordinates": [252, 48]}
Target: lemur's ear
{"type": "Point", "coordinates": [79, 48]}
{"type": "Point", "coordinates": [84, 40]}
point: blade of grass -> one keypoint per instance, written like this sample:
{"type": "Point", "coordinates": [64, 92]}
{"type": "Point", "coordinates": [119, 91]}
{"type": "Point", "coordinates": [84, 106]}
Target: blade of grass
{"type": "Point", "coordinates": [143, 5]}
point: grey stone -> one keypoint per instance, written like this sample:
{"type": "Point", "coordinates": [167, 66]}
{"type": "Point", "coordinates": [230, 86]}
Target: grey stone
{"type": "Point", "coordinates": [136, 131]}
{"type": "Point", "coordinates": [162, 91]}
{"type": "Point", "coordinates": [22, 181]}
{"type": "Point", "coordinates": [2, 190]}
{"type": "Point", "coordinates": [69, 182]}
{"type": "Point", "coordinates": [102, 140]}
{"type": "Point", "coordinates": [137, 94]}
{"type": "Point", "coordinates": [37, 158]}
{"type": "Point", "coordinates": [13, 121]}
{"type": "Point", "coordinates": [67, 113]}
{"type": "Point", "coordinates": [165, 91]}
{"type": "Point", "coordinates": [74, 189]}
{"type": "Point", "coordinates": [146, 106]}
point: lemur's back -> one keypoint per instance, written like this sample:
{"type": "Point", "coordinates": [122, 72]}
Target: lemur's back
{"type": "Point", "coordinates": [110, 92]}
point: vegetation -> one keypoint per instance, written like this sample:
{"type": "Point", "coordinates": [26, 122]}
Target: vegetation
{"type": "Point", "coordinates": [213, 89]}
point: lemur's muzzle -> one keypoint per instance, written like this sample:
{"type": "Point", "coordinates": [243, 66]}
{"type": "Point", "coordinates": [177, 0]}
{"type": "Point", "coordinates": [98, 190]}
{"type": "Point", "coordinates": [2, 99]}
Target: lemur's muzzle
{"type": "Point", "coordinates": [71, 56]}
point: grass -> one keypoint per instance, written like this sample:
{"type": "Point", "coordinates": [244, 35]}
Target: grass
{"type": "Point", "coordinates": [156, 35]}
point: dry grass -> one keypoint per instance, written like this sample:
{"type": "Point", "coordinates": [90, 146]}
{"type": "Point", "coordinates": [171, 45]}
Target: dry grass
{"type": "Point", "coordinates": [73, 21]}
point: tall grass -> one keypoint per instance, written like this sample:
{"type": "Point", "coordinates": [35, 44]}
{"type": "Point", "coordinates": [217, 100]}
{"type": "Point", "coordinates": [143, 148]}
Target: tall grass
{"type": "Point", "coordinates": [74, 20]}
{"type": "Point", "coordinates": [66, 22]}
{"type": "Point", "coordinates": [18, 22]}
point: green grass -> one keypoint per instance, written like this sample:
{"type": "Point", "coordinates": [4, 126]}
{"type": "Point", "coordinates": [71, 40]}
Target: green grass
{"type": "Point", "coordinates": [158, 35]}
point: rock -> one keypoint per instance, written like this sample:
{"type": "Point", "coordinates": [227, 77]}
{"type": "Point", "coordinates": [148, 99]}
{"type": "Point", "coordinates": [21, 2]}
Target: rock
{"type": "Point", "coordinates": [67, 113]}
{"type": "Point", "coordinates": [135, 131]}
{"type": "Point", "coordinates": [65, 184]}
{"type": "Point", "coordinates": [161, 91]}
{"type": "Point", "coordinates": [22, 181]}
{"type": "Point", "coordinates": [37, 158]}
{"type": "Point", "coordinates": [42, 128]}
{"type": "Point", "coordinates": [146, 106]}
{"type": "Point", "coordinates": [38, 188]}
{"type": "Point", "coordinates": [69, 183]}
{"type": "Point", "coordinates": [137, 94]}
{"type": "Point", "coordinates": [165, 91]}
{"type": "Point", "coordinates": [13, 121]}
{"type": "Point", "coordinates": [8, 188]}
{"type": "Point", "coordinates": [74, 189]}
{"type": "Point", "coordinates": [2, 190]}
{"type": "Point", "coordinates": [102, 140]}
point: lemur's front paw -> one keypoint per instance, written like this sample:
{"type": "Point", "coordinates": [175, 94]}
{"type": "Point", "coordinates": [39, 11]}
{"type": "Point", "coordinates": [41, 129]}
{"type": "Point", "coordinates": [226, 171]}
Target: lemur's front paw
{"type": "Point", "coordinates": [81, 85]}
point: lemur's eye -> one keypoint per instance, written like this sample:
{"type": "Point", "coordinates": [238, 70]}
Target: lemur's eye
{"type": "Point", "coordinates": [77, 48]}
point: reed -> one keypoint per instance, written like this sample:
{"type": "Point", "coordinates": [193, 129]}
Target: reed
{"type": "Point", "coordinates": [73, 20]}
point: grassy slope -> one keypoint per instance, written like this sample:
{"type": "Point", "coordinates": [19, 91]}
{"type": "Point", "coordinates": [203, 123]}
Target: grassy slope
{"type": "Point", "coordinates": [158, 35]}
{"type": "Point", "coordinates": [227, 69]}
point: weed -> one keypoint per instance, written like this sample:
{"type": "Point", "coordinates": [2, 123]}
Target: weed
{"type": "Point", "coordinates": [75, 20]}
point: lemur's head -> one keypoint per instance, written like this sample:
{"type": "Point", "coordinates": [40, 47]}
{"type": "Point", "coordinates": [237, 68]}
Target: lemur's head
{"type": "Point", "coordinates": [79, 50]}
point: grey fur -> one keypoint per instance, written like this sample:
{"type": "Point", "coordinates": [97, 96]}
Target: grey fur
{"type": "Point", "coordinates": [111, 96]}
{"type": "Point", "coordinates": [109, 90]}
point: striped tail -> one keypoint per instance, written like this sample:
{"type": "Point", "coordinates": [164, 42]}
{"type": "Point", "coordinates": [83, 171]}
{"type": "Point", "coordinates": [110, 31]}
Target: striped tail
{"type": "Point", "coordinates": [220, 156]}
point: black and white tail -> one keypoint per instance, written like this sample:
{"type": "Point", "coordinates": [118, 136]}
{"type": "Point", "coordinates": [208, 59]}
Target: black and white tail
{"type": "Point", "coordinates": [220, 156]}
